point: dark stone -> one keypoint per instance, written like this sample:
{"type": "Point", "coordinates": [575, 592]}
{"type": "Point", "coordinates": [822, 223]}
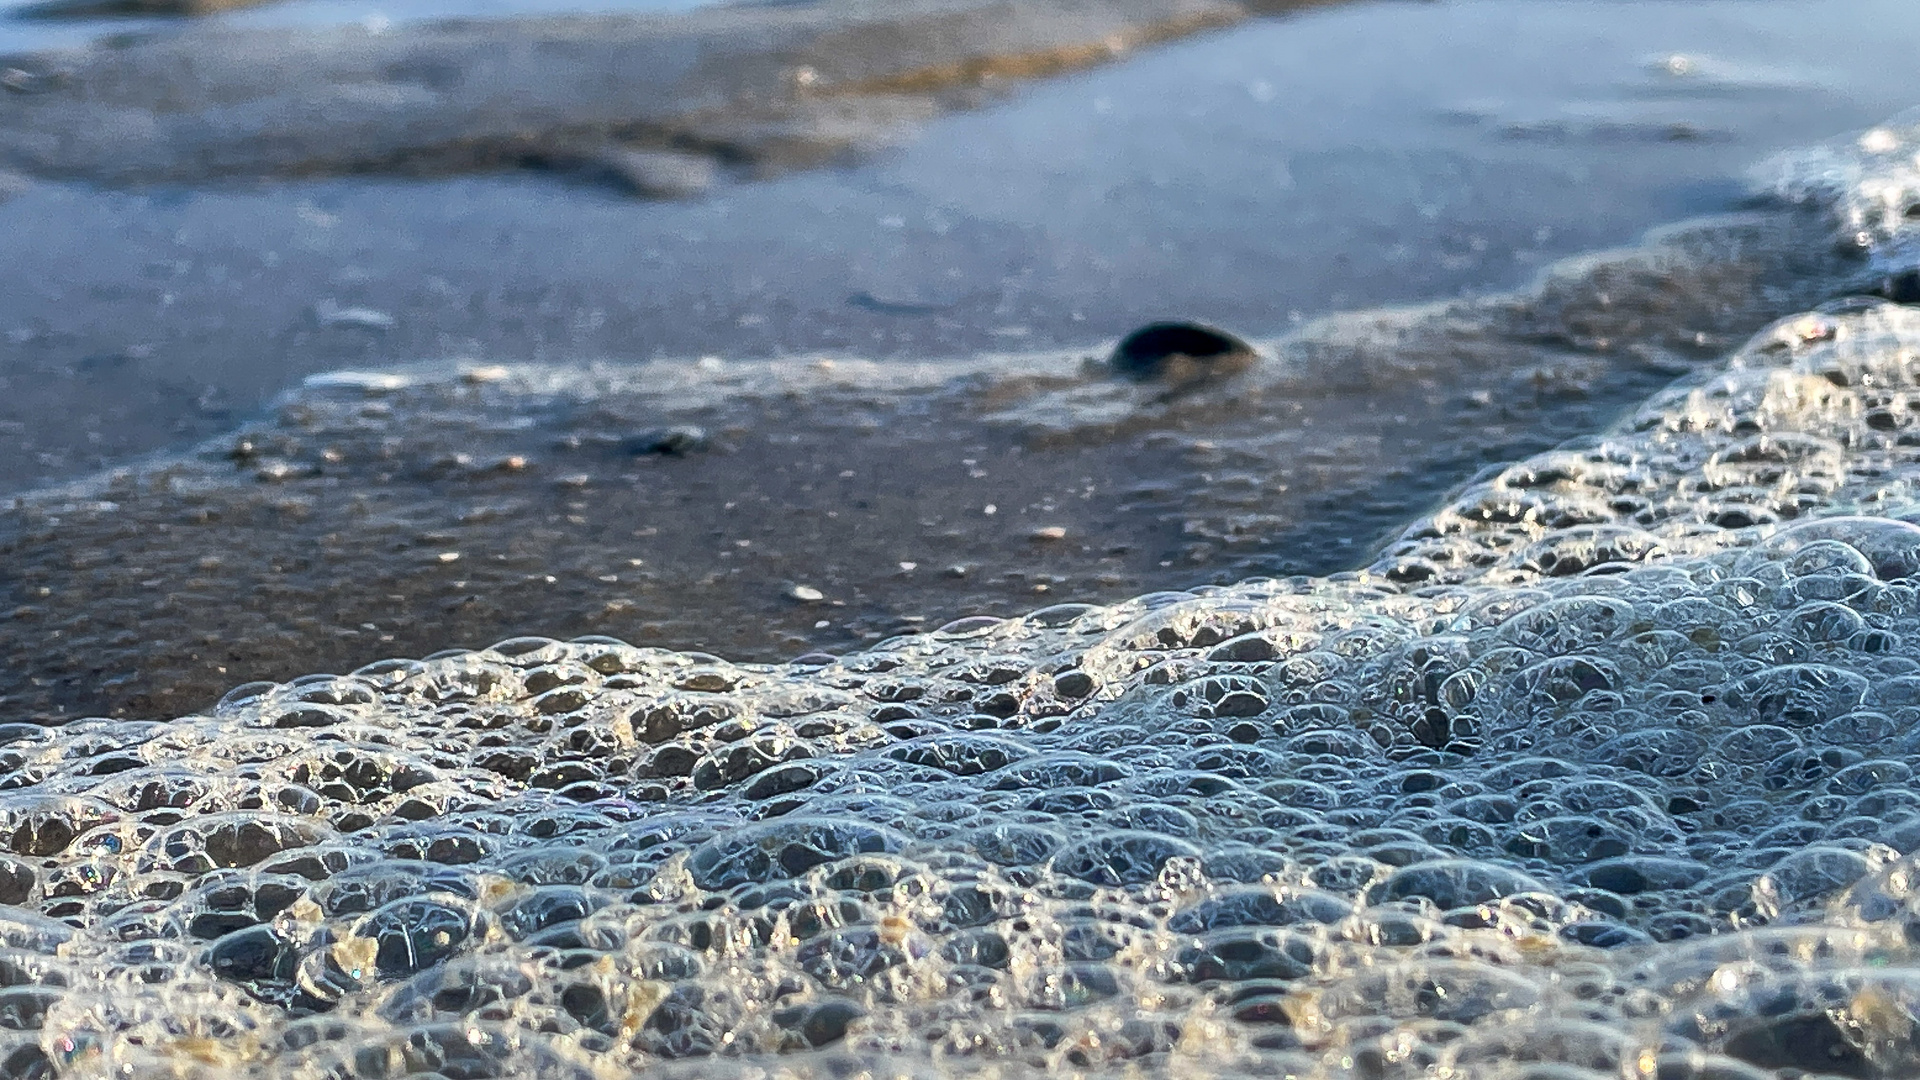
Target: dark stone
{"type": "Point", "coordinates": [677, 441]}
{"type": "Point", "coordinates": [1179, 352]}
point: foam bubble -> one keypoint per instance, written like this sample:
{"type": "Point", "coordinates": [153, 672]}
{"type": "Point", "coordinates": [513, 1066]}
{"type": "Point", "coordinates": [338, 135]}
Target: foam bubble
{"type": "Point", "coordinates": [1870, 184]}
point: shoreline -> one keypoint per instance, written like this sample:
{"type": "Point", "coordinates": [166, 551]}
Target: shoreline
{"type": "Point", "coordinates": [525, 480]}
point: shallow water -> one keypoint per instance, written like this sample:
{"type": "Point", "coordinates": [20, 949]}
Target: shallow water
{"type": "Point", "coordinates": [19, 33]}
{"type": "Point", "coordinates": [1601, 768]}
{"type": "Point", "coordinates": [386, 513]}
{"type": "Point", "coordinates": [1374, 180]}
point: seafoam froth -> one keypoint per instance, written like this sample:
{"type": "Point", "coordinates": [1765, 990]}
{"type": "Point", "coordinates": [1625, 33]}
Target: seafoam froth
{"type": "Point", "coordinates": [1602, 770]}
{"type": "Point", "coordinates": [1870, 184]}
{"type": "Point", "coordinates": [1785, 431]}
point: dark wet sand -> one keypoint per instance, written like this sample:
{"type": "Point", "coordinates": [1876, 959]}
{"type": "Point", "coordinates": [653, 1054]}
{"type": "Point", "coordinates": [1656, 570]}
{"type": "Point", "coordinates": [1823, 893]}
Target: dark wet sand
{"type": "Point", "coordinates": [826, 505]}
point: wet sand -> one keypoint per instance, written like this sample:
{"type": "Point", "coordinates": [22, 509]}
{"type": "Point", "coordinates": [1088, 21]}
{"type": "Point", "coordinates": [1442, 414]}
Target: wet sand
{"type": "Point", "coordinates": [318, 537]}
{"type": "Point", "coordinates": [763, 510]}
{"type": "Point", "coordinates": [1382, 151]}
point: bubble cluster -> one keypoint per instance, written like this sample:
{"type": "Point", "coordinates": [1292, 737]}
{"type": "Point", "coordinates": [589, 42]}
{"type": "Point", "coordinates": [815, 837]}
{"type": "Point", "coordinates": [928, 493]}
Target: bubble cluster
{"type": "Point", "coordinates": [1619, 785]}
{"type": "Point", "coordinates": [1869, 185]}
{"type": "Point", "coordinates": [1817, 415]}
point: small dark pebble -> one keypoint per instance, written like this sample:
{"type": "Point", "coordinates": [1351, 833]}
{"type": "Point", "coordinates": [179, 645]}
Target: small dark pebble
{"type": "Point", "coordinates": [668, 442]}
{"type": "Point", "coordinates": [1073, 684]}
{"type": "Point", "coordinates": [1179, 352]}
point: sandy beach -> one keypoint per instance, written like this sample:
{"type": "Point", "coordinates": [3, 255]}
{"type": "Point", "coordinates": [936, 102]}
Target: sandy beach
{"type": "Point", "coordinates": [610, 544]}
